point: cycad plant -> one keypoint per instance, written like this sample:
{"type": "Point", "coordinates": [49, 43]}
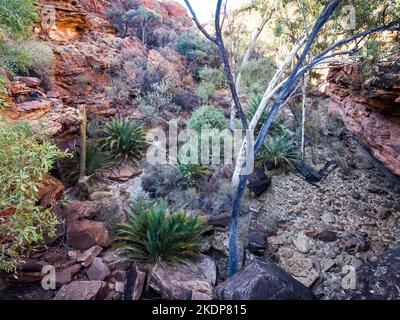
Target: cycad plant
{"type": "Point", "coordinates": [96, 160]}
{"type": "Point", "coordinates": [280, 150]}
{"type": "Point", "coordinates": [153, 233]}
{"type": "Point", "coordinates": [193, 171]}
{"type": "Point", "coordinates": [124, 139]}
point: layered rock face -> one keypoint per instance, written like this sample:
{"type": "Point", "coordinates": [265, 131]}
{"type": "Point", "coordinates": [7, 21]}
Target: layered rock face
{"type": "Point", "coordinates": [86, 50]}
{"type": "Point", "coordinates": [370, 108]}
{"type": "Point", "coordinates": [29, 102]}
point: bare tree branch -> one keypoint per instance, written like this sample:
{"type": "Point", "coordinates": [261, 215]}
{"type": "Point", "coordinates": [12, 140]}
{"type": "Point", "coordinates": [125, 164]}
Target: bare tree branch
{"type": "Point", "coordinates": [198, 24]}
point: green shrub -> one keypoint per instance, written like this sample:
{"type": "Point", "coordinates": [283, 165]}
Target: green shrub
{"type": "Point", "coordinates": [163, 37]}
{"type": "Point", "coordinates": [215, 76]}
{"type": "Point", "coordinates": [17, 17]}
{"type": "Point", "coordinates": [132, 78]}
{"type": "Point", "coordinates": [130, 17]}
{"type": "Point", "coordinates": [158, 98]}
{"type": "Point", "coordinates": [3, 91]}
{"type": "Point", "coordinates": [15, 58]}
{"type": "Point", "coordinates": [198, 50]}
{"type": "Point", "coordinates": [280, 151]}
{"type": "Point", "coordinates": [42, 58]}
{"type": "Point", "coordinates": [207, 117]}
{"type": "Point", "coordinates": [96, 160]}
{"type": "Point", "coordinates": [125, 139]}
{"type": "Point", "coordinates": [205, 91]}
{"type": "Point", "coordinates": [193, 171]}
{"type": "Point", "coordinates": [26, 155]}
{"type": "Point", "coordinates": [159, 180]}
{"type": "Point", "coordinates": [256, 75]}
{"type": "Point", "coordinates": [153, 233]}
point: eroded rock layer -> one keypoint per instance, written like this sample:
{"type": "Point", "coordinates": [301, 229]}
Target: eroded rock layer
{"type": "Point", "coordinates": [370, 108]}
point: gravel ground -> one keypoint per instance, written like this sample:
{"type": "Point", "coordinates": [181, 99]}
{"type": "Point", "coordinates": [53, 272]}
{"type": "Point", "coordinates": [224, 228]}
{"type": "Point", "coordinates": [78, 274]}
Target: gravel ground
{"type": "Point", "coordinates": [318, 233]}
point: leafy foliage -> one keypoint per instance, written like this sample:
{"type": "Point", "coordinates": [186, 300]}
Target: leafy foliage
{"type": "Point", "coordinates": [26, 155]}
{"type": "Point", "coordinates": [159, 180]}
{"type": "Point", "coordinates": [207, 117]}
{"type": "Point", "coordinates": [17, 17]}
{"type": "Point", "coordinates": [280, 150]}
{"type": "Point", "coordinates": [130, 17]}
{"type": "Point", "coordinates": [214, 76]}
{"type": "Point", "coordinates": [193, 171]}
{"type": "Point", "coordinates": [367, 14]}
{"type": "Point", "coordinates": [3, 91]}
{"type": "Point", "coordinates": [124, 139]}
{"type": "Point", "coordinates": [163, 37]}
{"type": "Point", "coordinates": [158, 98]}
{"type": "Point", "coordinates": [15, 58]}
{"type": "Point", "coordinates": [153, 233]}
{"type": "Point", "coordinates": [197, 50]}
{"type": "Point", "coordinates": [96, 160]}
{"type": "Point", "coordinates": [256, 74]}
{"type": "Point", "coordinates": [135, 76]}
{"type": "Point", "coordinates": [41, 59]}
{"type": "Point", "coordinates": [211, 79]}
{"type": "Point", "coordinates": [205, 91]}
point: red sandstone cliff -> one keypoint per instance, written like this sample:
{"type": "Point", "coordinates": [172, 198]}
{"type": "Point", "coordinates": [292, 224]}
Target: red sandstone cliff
{"type": "Point", "coordinates": [85, 46]}
{"type": "Point", "coordinates": [370, 108]}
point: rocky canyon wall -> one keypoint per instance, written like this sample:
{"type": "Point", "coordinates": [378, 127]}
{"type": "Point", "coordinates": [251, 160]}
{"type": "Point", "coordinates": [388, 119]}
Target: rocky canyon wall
{"type": "Point", "coordinates": [85, 48]}
{"type": "Point", "coordinates": [370, 108]}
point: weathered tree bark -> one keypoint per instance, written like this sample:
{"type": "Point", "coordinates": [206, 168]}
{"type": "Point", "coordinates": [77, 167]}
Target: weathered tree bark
{"type": "Point", "coordinates": [83, 128]}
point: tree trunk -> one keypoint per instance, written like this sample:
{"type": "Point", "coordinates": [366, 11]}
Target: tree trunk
{"type": "Point", "coordinates": [83, 126]}
{"type": "Point", "coordinates": [273, 87]}
{"type": "Point", "coordinates": [303, 115]}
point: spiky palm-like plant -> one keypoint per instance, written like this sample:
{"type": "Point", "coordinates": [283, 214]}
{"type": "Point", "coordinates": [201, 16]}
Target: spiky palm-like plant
{"type": "Point", "coordinates": [193, 171]}
{"type": "Point", "coordinates": [280, 151]}
{"type": "Point", "coordinates": [125, 139]}
{"type": "Point", "coordinates": [153, 233]}
{"type": "Point", "coordinates": [96, 160]}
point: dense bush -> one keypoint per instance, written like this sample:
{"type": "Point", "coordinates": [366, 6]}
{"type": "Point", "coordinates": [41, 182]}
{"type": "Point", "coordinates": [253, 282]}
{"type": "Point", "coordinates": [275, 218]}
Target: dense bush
{"type": "Point", "coordinates": [125, 139]}
{"type": "Point", "coordinates": [193, 171]}
{"type": "Point", "coordinates": [256, 74]}
{"type": "Point", "coordinates": [157, 99]}
{"type": "Point", "coordinates": [17, 17]}
{"type": "Point", "coordinates": [3, 91]}
{"type": "Point", "coordinates": [163, 37]}
{"type": "Point", "coordinates": [153, 234]}
{"type": "Point", "coordinates": [133, 78]}
{"type": "Point", "coordinates": [26, 155]}
{"type": "Point", "coordinates": [42, 58]}
{"type": "Point", "coordinates": [205, 91]}
{"type": "Point", "coordinates": [159, 180]}
{"type": "Point", "coordinates": [213, 75]}
{"type": "Point", "coordinates": [207, 117]}
{"type": "Point", "coordinates": [15, 58]}
{"type": "Point", "coordinates": [198, 50]}
{"type": "Point", "coordinates": [130, 17]}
